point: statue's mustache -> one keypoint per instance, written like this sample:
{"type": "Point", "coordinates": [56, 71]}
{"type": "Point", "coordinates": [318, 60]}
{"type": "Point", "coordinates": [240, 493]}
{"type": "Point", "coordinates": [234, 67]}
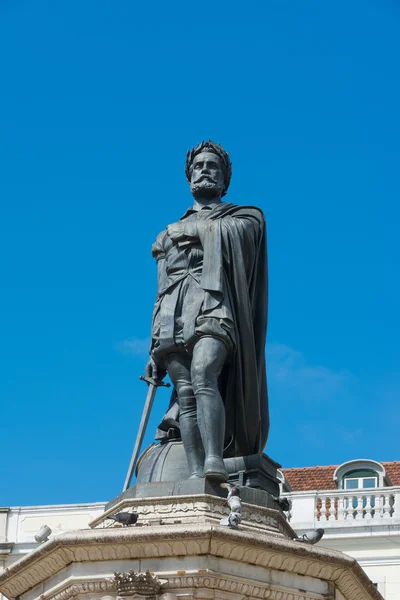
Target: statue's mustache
{"type": "Point", "coordinates": [205, 178]}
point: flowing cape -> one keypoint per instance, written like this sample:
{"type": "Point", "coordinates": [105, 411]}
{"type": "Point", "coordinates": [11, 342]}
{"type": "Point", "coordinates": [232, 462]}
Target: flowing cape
{"type": "Point", "coordinates": [235, 262]}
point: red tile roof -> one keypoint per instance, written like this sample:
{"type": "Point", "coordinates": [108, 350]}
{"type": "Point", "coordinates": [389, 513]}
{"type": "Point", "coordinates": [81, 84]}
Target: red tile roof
{"type": "Point", "coordinates": [321, 478]}
{"type": "Point", "coordinates": [310, 478]}
{"type": "Point", "coordinates": [393, 471]}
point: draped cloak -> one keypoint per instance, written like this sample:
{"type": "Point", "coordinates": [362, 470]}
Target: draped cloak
{"type": "Point", "coordinates": [235, 263]}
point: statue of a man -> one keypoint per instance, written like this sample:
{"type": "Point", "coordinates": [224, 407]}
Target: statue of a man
{"type": "Point", "coordinates": [210, 319]}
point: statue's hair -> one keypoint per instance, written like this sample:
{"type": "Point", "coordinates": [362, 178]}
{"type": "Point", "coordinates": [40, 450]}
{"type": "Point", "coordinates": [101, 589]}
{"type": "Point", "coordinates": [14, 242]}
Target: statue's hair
{"type": "Point", "coordinates": [215, 149]}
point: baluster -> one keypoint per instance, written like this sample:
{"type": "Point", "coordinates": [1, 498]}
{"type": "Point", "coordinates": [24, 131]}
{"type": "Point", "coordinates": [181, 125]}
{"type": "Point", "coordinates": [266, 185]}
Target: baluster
{"type": "Point", "coordinates": [387, 509]}
{"type": "Point", "coordinates": [333, 509]}
{"type": "Point", "coordinates": [396, 505]}
{"type": "Point", "coordinates": [359, 508]}
{"type": "Point", "coordinates": [317, 510]}
{"type": "Point", "coordinates": [368, 508]}
{"type": "Point", "coordinates": [381, 503]}
{"type": "Point", "coordinates": [350, 509]}
{"type": "Point", "coordinates": [323, 510]}
{"type": "Point", "coordinates": [392, 500]}
{"type": "Point", "coordinates": [328, 505]}
{"type": "Point", "coordinates": [341, 508]}
{"type": "Point", "coordinates": [374, 506]}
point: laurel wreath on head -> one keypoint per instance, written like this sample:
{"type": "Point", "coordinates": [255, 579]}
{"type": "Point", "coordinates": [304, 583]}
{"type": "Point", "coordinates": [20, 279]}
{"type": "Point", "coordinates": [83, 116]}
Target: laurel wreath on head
{"type": "Point", "coordinates": [210, 146]}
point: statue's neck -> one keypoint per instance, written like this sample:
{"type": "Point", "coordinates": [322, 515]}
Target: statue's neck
{"type": "Point", "coordinates": [200, 203]}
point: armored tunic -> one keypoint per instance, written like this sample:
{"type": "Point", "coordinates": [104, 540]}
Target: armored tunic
{"type": "Point", "coordinates": [180, 316]}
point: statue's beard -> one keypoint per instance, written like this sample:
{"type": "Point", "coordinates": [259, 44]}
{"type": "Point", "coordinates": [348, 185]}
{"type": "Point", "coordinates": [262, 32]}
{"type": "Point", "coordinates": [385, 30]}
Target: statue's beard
{"type": "Point", "coordinates": [206, 189]}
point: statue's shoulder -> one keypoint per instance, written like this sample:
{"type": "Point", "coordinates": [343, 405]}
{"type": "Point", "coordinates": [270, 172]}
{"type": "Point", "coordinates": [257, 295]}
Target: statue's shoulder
{"type": "Point", "coordinates": [157, 248]}
{"type": "Point", "coordinates": [239, 210]}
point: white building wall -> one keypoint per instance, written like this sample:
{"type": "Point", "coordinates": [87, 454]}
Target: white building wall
{"type": "Point", "coordinates": [372, 537]}
{"type": "Point", "coordinates": [19, 525]}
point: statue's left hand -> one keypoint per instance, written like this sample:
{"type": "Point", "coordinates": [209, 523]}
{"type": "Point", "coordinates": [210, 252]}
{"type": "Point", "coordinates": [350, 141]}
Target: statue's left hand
{"type": "Point", "coordinates": [176, 231]}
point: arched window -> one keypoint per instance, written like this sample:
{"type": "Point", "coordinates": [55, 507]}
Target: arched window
{"type": "Point", "coordinates": [361, 474]}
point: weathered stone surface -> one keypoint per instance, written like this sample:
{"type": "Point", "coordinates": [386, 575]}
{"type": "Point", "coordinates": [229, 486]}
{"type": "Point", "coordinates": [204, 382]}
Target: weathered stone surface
{"type": "Point", "coordinates": [197, 501]}
{"type": "Point", "coordinates": [196, 560]}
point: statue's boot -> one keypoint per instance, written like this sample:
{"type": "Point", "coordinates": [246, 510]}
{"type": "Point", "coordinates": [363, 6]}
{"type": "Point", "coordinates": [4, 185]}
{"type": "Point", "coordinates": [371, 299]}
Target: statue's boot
{"type": "Point", "coordinates": [193, 445]}
{"type": "Point", "coordinates": [211, 418]}
{"type": "Point", "coordinates": [209, 356]}
{"type": "Point", "coordinates": [214, 468]}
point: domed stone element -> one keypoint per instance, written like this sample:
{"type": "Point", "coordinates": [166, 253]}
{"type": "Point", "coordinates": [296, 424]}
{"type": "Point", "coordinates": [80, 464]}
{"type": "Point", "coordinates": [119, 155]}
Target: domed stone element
{"type": "Point", "coordinates": [163, 462]}
{"type": "Point", "coordinates": [166, 462]}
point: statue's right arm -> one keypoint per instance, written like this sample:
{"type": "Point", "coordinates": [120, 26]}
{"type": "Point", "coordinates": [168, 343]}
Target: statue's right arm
{"type": "Point", "coordinates": [152, 369]}
{"type": "Point", "coordinates": [159, 254]}
{"type": "Point", "coordinates": [161, 275]}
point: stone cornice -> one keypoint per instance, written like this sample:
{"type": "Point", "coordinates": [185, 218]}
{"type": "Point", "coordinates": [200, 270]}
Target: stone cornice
{"type": "Point", "coordinates": [156, 501]}
{"type": "Point", "coordinates": [187, 540]}
{"type": "Point", "coordinates": [200, 508]}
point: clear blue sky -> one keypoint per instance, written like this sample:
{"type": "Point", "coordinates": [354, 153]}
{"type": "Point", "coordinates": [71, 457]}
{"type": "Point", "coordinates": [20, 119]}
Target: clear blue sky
{"type": "Point", "coordinates": [99, 103]}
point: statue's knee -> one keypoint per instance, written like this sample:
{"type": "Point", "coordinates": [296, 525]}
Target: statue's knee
{"type": "Point", "coordinates": [187, 404]}
{"type": "Point", "coordinates": [185, 395]}
{"type": "Point", "coordinates": [204, 380]}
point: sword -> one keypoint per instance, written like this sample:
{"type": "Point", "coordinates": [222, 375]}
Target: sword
{"type": "Point", "coordinates": [153, 385]}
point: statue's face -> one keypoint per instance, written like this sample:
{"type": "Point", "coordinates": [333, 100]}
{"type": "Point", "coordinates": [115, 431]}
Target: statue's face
{"type": "Point", "coordinates": [207, 176]}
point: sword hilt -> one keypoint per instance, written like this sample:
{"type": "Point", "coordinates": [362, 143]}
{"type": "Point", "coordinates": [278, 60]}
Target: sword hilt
{"type": "Point", "coordinates": [155, 382]}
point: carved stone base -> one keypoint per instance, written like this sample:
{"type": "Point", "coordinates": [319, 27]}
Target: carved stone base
{"type": "Point", "coordinates": [195, 501]}
{"type": "Point", "coordinates": [183, 562]}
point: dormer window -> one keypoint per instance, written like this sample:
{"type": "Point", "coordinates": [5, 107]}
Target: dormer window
{"type": "Point", "coordinates": [361, 474]}
{"type": "Point", "coordinates": [360, 480]}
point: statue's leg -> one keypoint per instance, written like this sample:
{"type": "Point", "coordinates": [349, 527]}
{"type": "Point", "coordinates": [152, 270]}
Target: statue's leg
{"type": "Point", "coordinates": [178, 367]}
{"type": "Point", "coordinates": [209, 356]}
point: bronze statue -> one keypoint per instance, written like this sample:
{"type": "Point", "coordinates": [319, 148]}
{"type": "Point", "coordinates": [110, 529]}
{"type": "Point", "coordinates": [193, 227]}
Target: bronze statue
{"type": "Point", "coordinates": [210, 320]}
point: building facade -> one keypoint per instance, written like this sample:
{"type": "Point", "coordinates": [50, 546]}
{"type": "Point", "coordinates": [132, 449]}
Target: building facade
{"type": "Point", "coordinates": [20, 524]}
{"type": "Point", "coordinates": [357, 503]}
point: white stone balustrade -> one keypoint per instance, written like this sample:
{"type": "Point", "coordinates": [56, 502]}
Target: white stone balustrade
{"type": "Point", "coordinates": [342, 507]}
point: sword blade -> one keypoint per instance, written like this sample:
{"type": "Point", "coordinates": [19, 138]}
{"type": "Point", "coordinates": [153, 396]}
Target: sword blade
{"type": "Point", "coordinates": [139, 438]}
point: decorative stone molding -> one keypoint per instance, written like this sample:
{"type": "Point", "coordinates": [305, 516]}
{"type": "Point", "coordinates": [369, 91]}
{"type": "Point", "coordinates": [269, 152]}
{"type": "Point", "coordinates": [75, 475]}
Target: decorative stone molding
{"type": "Point", "coordinates": [184, 586]}
{"type": "Point", "coordinates": [143, 584]}
{"type": "Point", "coordinates": [197, 509]}
{"type": "Point", "coordinates": [224, 586]}
{"type": "Point", "coordinates": [81, 588]}
{"type": "Point", "coordinates": [251, 548]}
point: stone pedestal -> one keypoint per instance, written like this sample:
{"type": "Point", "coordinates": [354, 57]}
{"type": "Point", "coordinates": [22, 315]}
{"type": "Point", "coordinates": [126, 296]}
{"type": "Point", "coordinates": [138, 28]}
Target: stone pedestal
{"type": "Point", "coordinates": [196, 501]}
{"type": "Point", "coordinates": [167, 462]}
{"type": "Point", "coordinates": [178, 551]}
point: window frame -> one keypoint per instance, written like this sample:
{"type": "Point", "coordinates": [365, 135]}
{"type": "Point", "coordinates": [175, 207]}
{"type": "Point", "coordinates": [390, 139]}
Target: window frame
{"type": "Point", "coordinates": [360, 480]}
